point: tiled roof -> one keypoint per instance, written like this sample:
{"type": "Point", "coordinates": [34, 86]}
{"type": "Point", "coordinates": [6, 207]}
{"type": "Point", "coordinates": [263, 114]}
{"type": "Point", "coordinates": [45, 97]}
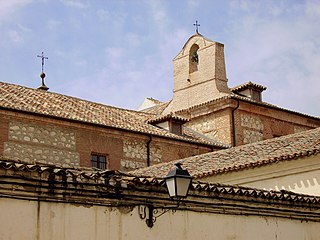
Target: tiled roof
{"type": "Point", "coordinates": [163, 118]}
{"type": "Point", "coordinates": [242, 157]}
{"type": "Point", "coordinates": [157, 109]}
{"type": "Point", "coordinates": [15, 97]}
{"type": "Point", "coordinates": [87, 177]}
{"type": "Point", "coordinates": [245, 99]}
{"type": "Point", "coordinates": [247, 85]}
{"type": "Point", "coordinates": [155, 101]}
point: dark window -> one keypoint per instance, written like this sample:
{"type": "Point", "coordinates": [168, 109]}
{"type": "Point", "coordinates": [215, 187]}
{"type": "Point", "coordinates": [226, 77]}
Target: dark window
{"type": "Point", "coordinates": [277, 135]}
{"type": "Point", "coordinates": [176, 128]}
{"type": "Point", "coordinates": [256, 96]}
{"type": "Point", "coordinates": [98, 161]}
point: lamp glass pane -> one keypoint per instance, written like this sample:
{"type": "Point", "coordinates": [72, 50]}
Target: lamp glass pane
{"type": "Point", "coordinates": [183, 186]}
{"type": "Point", "coordinates": [171, 186]}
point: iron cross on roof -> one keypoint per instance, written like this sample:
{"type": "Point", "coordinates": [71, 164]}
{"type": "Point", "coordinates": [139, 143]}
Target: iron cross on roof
{"type": "Point", "coordinates": [42, 75]}
{"type": "Point", "coordinates": [197, 25]}
{"type": "Point", "coordinates": [42, 58]}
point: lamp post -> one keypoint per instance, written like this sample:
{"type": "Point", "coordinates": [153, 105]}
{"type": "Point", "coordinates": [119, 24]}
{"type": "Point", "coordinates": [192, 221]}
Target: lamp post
{"type": "Point", "coordinates": [178, 182]}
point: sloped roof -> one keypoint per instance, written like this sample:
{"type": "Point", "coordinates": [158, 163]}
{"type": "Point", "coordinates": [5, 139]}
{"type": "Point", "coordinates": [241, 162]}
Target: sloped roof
{"type": "Point", "coordinates": [167, 117]}
{"type": "Point", "coordinates": [148, 103]}
{"type": "Point", "coordinates": [116, 179]}
{"type": "Point", "coordinates": [245, 99]}
{"type": "Point", "coordinates": [15, 97]}
{"type": "Point", "coordinates": [242, 157]}
{"type": "Point", "coordinates": [155, 101]}
{"type": "Point", "coordinates": [157, 109]}
{"type": "Point", "coordinates": [248, 85]}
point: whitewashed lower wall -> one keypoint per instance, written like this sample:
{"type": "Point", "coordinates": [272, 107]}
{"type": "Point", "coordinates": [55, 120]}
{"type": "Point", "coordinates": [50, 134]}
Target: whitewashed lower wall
{"type": "Point", "coordinates": [23, 219]}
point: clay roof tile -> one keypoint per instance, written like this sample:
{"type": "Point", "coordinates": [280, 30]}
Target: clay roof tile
{"type": "Point", "coordinates": [35, 101]}
{"type": "Point", "coordinates": [243, 157]}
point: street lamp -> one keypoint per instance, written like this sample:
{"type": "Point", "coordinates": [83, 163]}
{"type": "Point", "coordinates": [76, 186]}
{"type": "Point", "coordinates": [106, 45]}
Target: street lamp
{"type": "Point", "coordinates": [178, 182]}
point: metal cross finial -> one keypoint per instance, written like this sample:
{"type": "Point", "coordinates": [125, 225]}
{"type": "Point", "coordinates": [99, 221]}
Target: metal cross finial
{"type": "Point", "coordinates": [42, 75]}
{"type": "Point", "coordinates": [197, 25]}
{"type": "Point", "coordinates": [42, 58]}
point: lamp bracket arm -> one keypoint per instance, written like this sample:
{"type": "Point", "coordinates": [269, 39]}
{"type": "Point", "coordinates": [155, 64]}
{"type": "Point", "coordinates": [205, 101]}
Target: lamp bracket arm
{"type": "Point", "coordinates": [151, 213]}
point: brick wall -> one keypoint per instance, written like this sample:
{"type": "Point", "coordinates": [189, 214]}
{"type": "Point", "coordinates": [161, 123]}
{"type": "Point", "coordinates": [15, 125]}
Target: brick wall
{"type": "Point", "coordinates": [40, 139]}
{"type": "Point", "coordinates": [4, 132]}
{"type": "Point", "coordinates": [256, 123]}
{"type": "Point", "coordinates": [214, 125]}
{"type": "Point", "coordinates": [108, 142]}
{"type": "Point", "coordinates": [252, 122]}
{"type": "Point", "coordinates": [208, 82]}
{"type": "Point", "coordinates": [41, 143]}
{"type": "Point", "coordinates": [252, 127]}
{"type": "Point", "coordinates": [135, 154]}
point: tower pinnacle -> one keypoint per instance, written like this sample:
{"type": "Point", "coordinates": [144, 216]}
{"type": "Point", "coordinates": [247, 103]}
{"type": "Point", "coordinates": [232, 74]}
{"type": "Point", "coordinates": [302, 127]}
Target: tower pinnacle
{"type": "Point", "coordinates": [197, 27]}
{"type": "Point", "coordinates": [42, 74]}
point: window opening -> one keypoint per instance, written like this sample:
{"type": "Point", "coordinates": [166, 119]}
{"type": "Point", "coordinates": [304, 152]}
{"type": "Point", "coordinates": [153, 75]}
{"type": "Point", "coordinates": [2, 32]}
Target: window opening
{"type": "Point", "coordinates": [99, 161]}
{"type": "Point", "coordinates": [193, 58]}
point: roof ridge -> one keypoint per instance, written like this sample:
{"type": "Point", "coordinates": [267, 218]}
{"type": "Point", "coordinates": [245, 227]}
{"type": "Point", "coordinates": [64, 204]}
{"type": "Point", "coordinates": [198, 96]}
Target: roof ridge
{"type": "Point", "coordinates": [261, 162]}
{"type": "Point", "coordinates": [248, 83]}
{"type": "Point", "coordinates": [204, 103]}
{"type": "Point", "coordinates": [76, 98]}
{"type": "Point", "coordinates": [236, 96]}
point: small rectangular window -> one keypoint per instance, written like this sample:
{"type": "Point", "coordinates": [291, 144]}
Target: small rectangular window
{"type": "Point", "coordinates": [94, 160]}
{"type": "Point", "coordinates": [102, 162]}
{"type": "Point", "coordinates": [99, 161]}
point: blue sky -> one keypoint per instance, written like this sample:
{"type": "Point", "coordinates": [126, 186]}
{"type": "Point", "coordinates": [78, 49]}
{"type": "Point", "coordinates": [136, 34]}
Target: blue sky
{"type": "Point", "coordinates": [119, 52]}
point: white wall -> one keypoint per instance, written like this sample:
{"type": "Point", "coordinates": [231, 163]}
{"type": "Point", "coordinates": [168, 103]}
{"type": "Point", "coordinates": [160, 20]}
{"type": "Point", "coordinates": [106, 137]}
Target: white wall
{"type": "Point", "coordinates": [301, 175]}
{"type": "Point", "coordinates": [23, 219]}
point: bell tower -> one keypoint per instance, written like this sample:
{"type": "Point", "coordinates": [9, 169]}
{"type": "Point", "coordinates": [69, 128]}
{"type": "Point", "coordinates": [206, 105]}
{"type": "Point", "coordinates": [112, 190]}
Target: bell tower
{"type": "Point", "coordinates": [199, 74]}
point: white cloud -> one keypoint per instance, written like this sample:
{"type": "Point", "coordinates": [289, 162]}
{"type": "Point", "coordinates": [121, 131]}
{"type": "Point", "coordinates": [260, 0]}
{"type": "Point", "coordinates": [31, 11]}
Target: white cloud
{"type": "Point", "coordinates": [243, 5]}
{"type": "Point", "coordinates": [81, 62]}
{"type": "Point", "coordinates": [8, 7]}
{"type": "Point", "coordinates": [193, 3]}
{"type": "Point", "coordinates": [114, 58]}
{"type": "Point", "coordinates": [275, 10]}
{"type": "Point", "coordinates": [24, 28]}
{"type": "Point", "coordinates": [15, 36]}
{"type": "Point", "coordinates": [103, 14]}
{"type": "Point", "coordinates": [277, 50]}
{"type": "Point", "coordinates": [53, 24]}
{"type": "Point", "coordinates": [134, 40]}
{"type": "Point", "coordinates": [313, 8]}
{"type": "Point", "coordinates": [112, 20]}
{"type": "Point", "coordinates": [119, 19]}
{"type": "Point", "coordinates": [159, 14]}
{"type": "Point", "coordinates": [81, 4]}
